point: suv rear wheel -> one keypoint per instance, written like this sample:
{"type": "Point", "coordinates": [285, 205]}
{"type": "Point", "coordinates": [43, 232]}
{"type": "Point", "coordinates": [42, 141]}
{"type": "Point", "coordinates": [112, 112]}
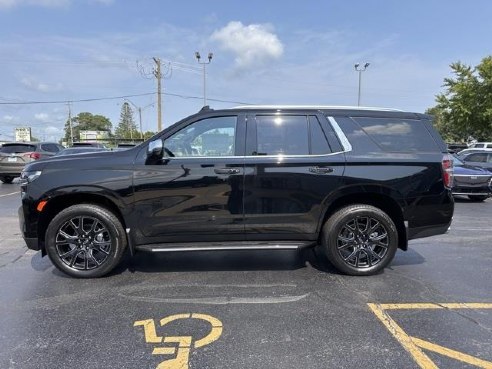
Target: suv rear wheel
{"type": "Point", "coordinates": [85, 241]}
{"type": "Point", "coordinates": [360, 239]}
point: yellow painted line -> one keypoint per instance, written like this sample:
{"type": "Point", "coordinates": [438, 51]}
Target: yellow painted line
{"type": "Point", "coordinates": [404, 339]}
{"type": "Point", "coordinates": [215, 332]}
{"type": "Point", "coordinates": [469, 305]}
{"type": "Point", "coordinates": [149, 330]}
{"type": "Point", "coordinates": [452, 353]}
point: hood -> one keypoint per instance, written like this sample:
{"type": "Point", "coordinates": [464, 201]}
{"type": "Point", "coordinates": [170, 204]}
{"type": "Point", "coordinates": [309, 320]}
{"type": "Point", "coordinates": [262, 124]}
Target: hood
{"type": "Point", "coordinates": [466, 169]}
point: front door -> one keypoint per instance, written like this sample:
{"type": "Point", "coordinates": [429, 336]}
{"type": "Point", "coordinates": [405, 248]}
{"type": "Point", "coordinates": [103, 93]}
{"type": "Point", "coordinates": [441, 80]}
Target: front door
{"type": "Point", "coordinates": [194, 192]}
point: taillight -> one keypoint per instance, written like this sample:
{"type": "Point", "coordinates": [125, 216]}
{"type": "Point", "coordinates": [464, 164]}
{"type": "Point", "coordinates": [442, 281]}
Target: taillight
{"type": "Point", "coordinates": [32, 155]}
{"type": "Point", "coordinates": [447, 170]}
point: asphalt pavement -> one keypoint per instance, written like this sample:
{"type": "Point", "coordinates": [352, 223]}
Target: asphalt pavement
{"type": "Point", "coordinates": [251, 309]}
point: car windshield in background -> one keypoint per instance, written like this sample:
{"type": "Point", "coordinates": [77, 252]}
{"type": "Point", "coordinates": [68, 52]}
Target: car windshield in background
{"type": "Point", "coordinates": [16, 148]}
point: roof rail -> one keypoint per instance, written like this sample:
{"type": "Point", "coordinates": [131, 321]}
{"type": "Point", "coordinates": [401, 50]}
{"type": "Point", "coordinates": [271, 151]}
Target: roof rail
{"type": "Point", "coordinates": [318, 107]}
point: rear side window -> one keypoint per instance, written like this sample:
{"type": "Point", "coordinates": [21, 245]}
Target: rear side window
{"type": "Point", "coordinates": [50, 147]}
{"type": "Point", "coordinates": [319, 141]}
{"type": "Point", "coordinates": [16, 148]}
{"type": "Point", "coordinates": [282, 135]}
{"type": "Point", "coordinates": [477, 157]}
{"type": "Point", "coordinates": [398, 135]}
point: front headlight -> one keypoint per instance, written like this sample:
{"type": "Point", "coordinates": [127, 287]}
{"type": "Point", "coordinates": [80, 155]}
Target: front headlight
{"type": "Point", "coordinates": [29, 176]}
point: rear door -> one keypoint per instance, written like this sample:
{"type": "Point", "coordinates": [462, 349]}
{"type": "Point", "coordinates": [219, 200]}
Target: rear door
{"type": "Point", "coordinates": [293, 163]}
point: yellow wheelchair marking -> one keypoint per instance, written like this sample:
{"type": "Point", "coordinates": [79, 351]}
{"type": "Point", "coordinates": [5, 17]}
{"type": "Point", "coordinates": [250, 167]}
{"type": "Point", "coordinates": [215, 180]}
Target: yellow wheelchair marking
{"type": "Point", "coordinates": [184, 343]}
{"type": "Point", "coordinates": [414, 345]}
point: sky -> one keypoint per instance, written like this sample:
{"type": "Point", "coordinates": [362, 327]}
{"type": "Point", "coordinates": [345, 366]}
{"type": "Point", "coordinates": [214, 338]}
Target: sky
{"type": "Point", "coordinates": [99, 54]}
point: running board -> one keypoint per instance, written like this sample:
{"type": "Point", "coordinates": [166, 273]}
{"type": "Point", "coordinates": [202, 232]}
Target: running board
{"type": "Point", "coordinates": [224, 246]}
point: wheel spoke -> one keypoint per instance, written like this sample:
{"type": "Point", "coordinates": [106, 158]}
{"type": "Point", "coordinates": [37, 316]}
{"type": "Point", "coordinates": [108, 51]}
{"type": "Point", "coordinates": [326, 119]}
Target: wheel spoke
{"type": "Point", "coordinates": [69, 253]}
{"type": "Point", "coordinates": [378, 238]}
{"type": "Point", "coordinates": [74, 257]}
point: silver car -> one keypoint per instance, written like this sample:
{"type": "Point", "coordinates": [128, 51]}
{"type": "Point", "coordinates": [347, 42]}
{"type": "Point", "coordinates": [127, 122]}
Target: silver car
{"type": "Point", "coordinates": [15, 155]}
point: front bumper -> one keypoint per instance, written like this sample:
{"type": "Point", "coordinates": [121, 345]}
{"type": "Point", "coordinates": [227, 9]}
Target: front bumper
{"type": "Point", "coordinates": [31, 242]}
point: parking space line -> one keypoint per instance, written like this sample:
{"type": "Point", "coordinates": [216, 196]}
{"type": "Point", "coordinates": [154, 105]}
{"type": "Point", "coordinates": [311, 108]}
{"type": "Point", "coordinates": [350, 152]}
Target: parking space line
{"type": "Point", "coordinates": [8, 194]}
{"type": "Point", "coordinates": [472, 305]}
{"type": "Point", "coordinates": [404, 339]}
{"type": "Point", "coordinates": [414, 345]}
{"type": "Point", "coordinates": [452, 353]}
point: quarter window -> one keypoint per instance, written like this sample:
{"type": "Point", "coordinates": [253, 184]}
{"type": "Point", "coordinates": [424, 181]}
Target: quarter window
{"type": "Point", "coordinates": [207, 137]}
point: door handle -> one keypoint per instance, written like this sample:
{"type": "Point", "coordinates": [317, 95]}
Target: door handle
{"type": "Point", "coordinates": [321, 170]}
{"type": "Point", "coordinates": [226, 170]}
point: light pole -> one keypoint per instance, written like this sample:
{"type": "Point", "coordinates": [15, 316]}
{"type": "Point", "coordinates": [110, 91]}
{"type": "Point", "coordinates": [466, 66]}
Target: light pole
{"type": "Point", "coordinates": [140, 114]}
{"type": "Point", "coordinates": [360, 69]}
{"type": "Point", "coordinates": [210, 56]}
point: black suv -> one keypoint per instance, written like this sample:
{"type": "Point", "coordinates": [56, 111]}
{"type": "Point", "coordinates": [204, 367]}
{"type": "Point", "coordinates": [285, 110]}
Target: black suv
{"type": "Point", "coordinates": [358, 182]}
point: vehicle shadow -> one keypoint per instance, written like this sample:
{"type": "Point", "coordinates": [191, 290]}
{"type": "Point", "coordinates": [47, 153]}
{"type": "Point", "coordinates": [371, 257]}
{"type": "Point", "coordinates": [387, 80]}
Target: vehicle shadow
{"type": "Point", "coordinates": [198, 261]}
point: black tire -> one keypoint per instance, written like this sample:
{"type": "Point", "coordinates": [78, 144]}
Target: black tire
{"type": "Point", "coordinates": [85, 241]}
{"type": "Point", "coordinates": [7, 179]}
{"type": "Point", "coordinates": [477, 197]}
{"type": "Point", "coordinates": [360, 240]}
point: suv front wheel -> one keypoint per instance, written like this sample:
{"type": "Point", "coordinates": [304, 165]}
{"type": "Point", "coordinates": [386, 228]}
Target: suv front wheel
{"type": "Point", "coordinates": [360, 239]}
{"type": "Point", "coordinates": [85, 241]}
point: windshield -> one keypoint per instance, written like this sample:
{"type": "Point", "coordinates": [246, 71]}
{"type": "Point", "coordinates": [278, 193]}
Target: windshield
{"type": "Point", "coordinates": [17, 148]}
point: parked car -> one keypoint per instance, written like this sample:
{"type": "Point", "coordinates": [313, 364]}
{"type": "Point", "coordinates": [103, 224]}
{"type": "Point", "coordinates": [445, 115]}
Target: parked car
{"type": "Point", "coordinates": [79, 150]}
{"type": "Point", "coordinates": [359, 182]}
{"type": "Point", "coordinates": [481, 145]}
{"type": "Point", "coordinates": [465, 152]}
{"type": "Point", "coordinates": [15, 155]}
{"type": "Point", "coordinates": [471, 181]}
{"type": "Point", "coordinates": [482, 159]}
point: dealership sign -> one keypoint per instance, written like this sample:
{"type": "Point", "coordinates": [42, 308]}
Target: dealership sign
{"type": "Point", "coordinates": [23, 134]}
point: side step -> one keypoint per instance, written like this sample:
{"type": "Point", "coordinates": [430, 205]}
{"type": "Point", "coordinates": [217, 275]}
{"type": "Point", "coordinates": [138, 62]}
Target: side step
{"type": "Point", "coordinates": [224, 246]}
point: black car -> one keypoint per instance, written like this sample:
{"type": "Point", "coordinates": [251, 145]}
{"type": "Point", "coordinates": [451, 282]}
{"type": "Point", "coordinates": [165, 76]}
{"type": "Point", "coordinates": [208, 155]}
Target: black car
{"type": "Point", "coordinates": [358, 182]}
{"type": "Point", "coordinates": [471, 181]}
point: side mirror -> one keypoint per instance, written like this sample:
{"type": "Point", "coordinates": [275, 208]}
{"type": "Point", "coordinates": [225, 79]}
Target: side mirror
{"type": "Point", "coordinates": [155, 148]}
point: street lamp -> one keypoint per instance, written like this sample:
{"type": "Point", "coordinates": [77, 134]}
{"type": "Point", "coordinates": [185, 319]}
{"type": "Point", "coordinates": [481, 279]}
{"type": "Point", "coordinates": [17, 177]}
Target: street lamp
{"type": "Point", "coordinates": [210, 56]}
{"type": "Point", "coordinates": [140, 114]}
{"type": "Point", "coordinates": [360, 69]}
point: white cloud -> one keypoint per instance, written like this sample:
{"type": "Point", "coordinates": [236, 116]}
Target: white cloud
{"type": "Point", "coordinates": [40, 86]}
{"type": "Point", "coordinates": [42, 117]}
{"type": "Point", "coordinates": [252, 45]}
{"type": "Point", "coordinates": [8, 118]}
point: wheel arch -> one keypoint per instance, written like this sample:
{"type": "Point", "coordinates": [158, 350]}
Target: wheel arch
{"type": "Point", "coordinates": [63, 201]}
{"type": "Point", "coordinates": [380, 200]}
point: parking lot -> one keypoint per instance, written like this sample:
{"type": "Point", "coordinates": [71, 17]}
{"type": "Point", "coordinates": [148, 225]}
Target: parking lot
{"type": "Point", "coordinates": [247, 309]}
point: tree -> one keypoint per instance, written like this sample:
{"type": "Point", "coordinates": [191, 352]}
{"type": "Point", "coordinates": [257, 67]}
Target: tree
{"type": "Point", "coordinates": [86, 122]}
{"type": "Point", "coordinates": [465, 108]}
{"type": "Point", "coordinates": [126, 127]}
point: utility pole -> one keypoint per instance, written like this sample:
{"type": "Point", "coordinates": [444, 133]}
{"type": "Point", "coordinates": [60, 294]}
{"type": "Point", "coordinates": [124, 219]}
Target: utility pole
{"type": "Point", "coordinates": [360, 69]}
{"type": "Point", "coordinates": [157, 74]}
{"type": "Point", "coordinates": [210, 56]}
{"type": "Point", "coordinates": [70, 123]}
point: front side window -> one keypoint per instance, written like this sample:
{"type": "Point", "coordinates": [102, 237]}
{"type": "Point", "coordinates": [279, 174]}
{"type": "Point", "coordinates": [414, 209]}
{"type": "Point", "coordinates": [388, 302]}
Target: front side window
{"type": "Point", "coordinates": [207, 137]}
{"type": "Point", "coordinates": [282, 135]}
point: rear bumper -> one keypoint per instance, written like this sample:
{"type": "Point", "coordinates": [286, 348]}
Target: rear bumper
{"type": "Point", "coordinates": [428, 231]}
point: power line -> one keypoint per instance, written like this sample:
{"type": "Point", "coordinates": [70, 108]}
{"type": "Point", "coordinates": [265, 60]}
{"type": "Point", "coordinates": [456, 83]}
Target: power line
{"type": "Point", "coordinates": [122, 97]}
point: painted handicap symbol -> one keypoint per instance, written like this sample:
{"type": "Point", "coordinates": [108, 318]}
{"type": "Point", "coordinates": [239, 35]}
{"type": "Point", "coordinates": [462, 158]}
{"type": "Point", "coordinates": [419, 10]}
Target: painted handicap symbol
{"type": "Point", "coordinates": [184, 343]}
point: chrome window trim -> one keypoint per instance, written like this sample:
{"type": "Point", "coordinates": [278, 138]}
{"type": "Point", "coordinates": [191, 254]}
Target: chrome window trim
{"type": "Point", "coordinates": [343, 139]}
{"type": "Point", "coordinates": [253, 156]}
